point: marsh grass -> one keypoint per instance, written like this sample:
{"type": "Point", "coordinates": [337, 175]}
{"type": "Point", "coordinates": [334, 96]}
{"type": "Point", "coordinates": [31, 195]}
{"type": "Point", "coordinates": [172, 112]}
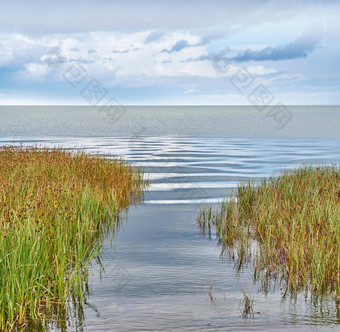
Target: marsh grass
{"type": "Point", "coordinates": [248, 302]}
{"type": "Point", "coordinates": [55, 208]}
{"type": "Point", "coordinates": [287, 227]}
{"type": "Point", "coordinates": [210, 292]}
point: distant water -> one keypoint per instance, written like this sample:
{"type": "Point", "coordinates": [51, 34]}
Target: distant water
{"type": "Point", "coordinates": [227, 121]}
{"type": "Point", "coordinates": [158, 274]}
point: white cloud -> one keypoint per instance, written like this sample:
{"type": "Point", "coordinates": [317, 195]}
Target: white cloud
{"type": "Point", "coordinates": [124, 48]}
{"type": "Point", "coordinates": [115, 58]}
{"type": "Point", "coordinates": [189, 91]}
{"type": "Point", "coordinates": [260, 70]}
{"type": "Point", "coordinates": [36, 70]}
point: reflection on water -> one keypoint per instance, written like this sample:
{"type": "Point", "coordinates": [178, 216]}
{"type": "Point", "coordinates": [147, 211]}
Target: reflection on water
{"type": "Point", "coordinates": [158, 272]}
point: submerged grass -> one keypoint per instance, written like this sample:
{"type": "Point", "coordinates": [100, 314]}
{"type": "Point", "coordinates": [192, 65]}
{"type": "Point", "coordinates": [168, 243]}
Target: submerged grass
{"type": "Point", "coordinates": [54, 208]}
{"type": "Point", "coordinates": [288, 227]}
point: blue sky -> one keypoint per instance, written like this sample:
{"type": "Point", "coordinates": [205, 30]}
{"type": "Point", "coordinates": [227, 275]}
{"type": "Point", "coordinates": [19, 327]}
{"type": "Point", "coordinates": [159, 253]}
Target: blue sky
{"type": "Point", "coordinates": [169, 52]}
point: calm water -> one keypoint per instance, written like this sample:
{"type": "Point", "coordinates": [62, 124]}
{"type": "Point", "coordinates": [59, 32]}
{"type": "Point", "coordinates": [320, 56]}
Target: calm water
{"type": "Point", "coordinates": [159, 271]}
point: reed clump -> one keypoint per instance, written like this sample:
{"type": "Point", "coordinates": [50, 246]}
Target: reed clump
{"type": "Point", "coordinates": [54, 208]}
{"type": "Point", "coordinates": [288, 228]}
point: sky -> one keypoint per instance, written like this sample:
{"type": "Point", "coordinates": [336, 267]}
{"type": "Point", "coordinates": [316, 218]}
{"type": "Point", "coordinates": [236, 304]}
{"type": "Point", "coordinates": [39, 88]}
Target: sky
{"type": "Point", "coordinates": [169, 52]}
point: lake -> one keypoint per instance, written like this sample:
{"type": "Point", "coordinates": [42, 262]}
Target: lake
{"type": "Point", "coordinates": [159, 269]}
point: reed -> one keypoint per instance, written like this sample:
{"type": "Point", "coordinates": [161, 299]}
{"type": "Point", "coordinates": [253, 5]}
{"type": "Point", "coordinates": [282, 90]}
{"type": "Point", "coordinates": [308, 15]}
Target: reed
{"type": "Point", "coordinates": [248, 302]}
{"type": "Point", "coordinates": [287, 227]}
{"type": "Point", "coordinates": [54, 209]}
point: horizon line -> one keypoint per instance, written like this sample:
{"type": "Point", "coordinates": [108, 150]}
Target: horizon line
{"type": "Point", "coordinates": [162, 105]}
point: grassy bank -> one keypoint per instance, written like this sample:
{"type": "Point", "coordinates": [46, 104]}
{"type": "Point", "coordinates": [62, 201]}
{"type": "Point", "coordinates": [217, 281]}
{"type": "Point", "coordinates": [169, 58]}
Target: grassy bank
{"type": "Point", "coordinates": [288, 228]}
{"type": "Point", "coordinates": [54, 208]}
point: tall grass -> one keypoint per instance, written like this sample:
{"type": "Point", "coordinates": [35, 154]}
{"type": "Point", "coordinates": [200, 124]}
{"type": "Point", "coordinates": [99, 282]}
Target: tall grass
{"type": "Point", "coordinates": [54, 208]}
{"type": "Point", "coordinates": [287, 227]}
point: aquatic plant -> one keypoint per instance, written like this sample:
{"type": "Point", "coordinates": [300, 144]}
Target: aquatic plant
{"type": "Point", "coordinates": [248, 302]}
{"type": "Point", "coordinates": [287, 227]}
{"type": "Point", "coordinates": [55, 207]}
{"type": "Point", "coordinates": [210, 291]}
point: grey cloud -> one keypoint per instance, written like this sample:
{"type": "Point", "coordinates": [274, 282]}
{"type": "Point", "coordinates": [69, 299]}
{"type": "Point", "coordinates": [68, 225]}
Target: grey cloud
{"type": "Point", "coordinates": [125, 51]}
{"type": "Point", "coordinates": [91, 51]}
{"type": "Point", "coordinates": [153, 36]}
{"type": "Point", "coordinates": [81, 60]}
{"type": "Point", "coordinates": [202, 57]}
{"type": "Point", "coordinates": [66, 16]}
{"type": "Point", "coordinates": [299, 48]}
{"type": "Point", "coordinates": [181, 44]}
{"type": "Point", "coordinates": [212, 35]}
{"type": "Point", "coordinates": [177, 47]}
{"type": "Point", "coordinates": [210, 56]}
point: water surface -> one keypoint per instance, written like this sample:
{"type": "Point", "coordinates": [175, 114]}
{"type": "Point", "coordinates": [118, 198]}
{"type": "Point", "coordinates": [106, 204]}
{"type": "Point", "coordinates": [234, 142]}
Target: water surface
{"type": "Point", "coordinates": [159, 270]}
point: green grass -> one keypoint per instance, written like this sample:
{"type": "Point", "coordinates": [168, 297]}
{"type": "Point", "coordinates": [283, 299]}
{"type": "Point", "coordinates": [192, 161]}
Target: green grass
{"type": "Point", "coordinates": [55, 208]}
{"type": "Point", "coordinates": [288, 228]}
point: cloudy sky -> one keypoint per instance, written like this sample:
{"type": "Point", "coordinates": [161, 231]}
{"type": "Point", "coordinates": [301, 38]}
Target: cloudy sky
{"type": "Point", "coordinates": [169, 51]}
